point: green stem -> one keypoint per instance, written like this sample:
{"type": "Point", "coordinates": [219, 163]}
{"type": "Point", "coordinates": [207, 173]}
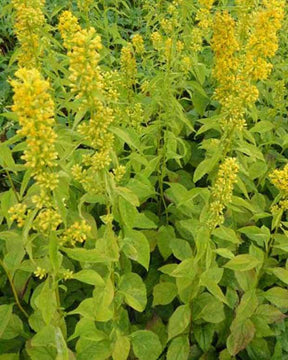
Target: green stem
{"type": "Point", "coordinates": [12, 185]}
{"type": "Point", "coordinates": [14, 290]}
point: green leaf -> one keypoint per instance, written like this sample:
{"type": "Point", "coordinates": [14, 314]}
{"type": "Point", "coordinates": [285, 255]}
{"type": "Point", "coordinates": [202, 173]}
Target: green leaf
{"type": "Point", "coordinates": [240, 337]}
{"type": "Point", "coordinates": [46, 302]}
{"type": "Point", "coordinates": [242, 262]}
{"type": "Point", "coordinates": [136, 247]}
{"type": "Point", "coordinates": [146, 345]}
{"type": "Point", "coordinates": [84, 255]}
{"type": "Point", "coordinates": [5, 315]}
{"type": "Point", "coordinates": [270, 313]}
{"type": "Point", "coordinates": [128, 195]}
{"type": "Point", "coordinates": [9, 356]}
{"type": "Point", "coordinates": [92, 350]}
{"type": "Point", "coordinates": [277, 296]}
{"type": "Point", "coordinates": [133, 288]}
{"type": "Point", "coordinates": [259, 235]}
{"type": "Point", "coordinates": [164, 293]}
{"type": "Point", "coordinates": [121, 348]}
{"type": "Point", "coordinates": [14, 328]}
{"type": "Point", "coordinates": [224, 233]}
{"type": "Point", "coordinates": [179, 348]}
{"type": "Point", "coordinates": [181, 249]}
{"type": "Point", "coordinates": [281, 273]}
{"type": "Point", "coordinates": [179, 321]}
{"type": "Point", "coordinates": [205, 167]}
{"type": "Point", "coordinates": [204, 335]}
{"type": "Point", "coordinates": [89, 277]}
{"type": "Point", "coordinates": [225, 253]}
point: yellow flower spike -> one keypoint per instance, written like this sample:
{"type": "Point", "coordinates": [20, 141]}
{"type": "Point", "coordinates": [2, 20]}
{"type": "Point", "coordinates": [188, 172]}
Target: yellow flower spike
{"type": "Point", "coordinates": [222, 191]}
{"type": "Point", "coordinates": [35, 110]}
{"type": "Point", "coordinates": [29, 22]}
{"type": "Point", "coordinates": [138, 43]}
{"type": "Point", "coordinates": [128, 65]}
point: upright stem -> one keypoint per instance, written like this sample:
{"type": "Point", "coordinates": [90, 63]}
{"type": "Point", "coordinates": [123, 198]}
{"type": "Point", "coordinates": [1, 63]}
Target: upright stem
{"type": "Point", "coordinates": [13, 290]}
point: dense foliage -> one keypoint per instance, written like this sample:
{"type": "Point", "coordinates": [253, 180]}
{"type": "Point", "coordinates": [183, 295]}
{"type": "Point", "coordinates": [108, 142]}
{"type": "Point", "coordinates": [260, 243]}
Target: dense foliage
{"type": "Point", "coordinates": [144, 180]}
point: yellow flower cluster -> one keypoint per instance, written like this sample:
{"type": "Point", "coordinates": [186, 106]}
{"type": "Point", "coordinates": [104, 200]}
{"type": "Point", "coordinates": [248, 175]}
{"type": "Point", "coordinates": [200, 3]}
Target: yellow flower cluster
{"type": "Point", "coordinates": [263, 42]}
{"type": "Point", "coordinates": [222, 191]}
{"type": "Point", "coordinates": [78, 232]}
{"type": "Point", "coordinates": [88, 83]}
{"type": "Point", "coordinates": [67, 274]}
{"type": "Point", "coordinates": [35, 110]}
{"type": "Point", "coordinates": [241, 54]}
{"type": "Point", "coordinates": [29, 22]}
{"type": "Point", "coordinates": [128, 66]}
{"type": "Point", "coordinates": [203, 15]}
{"type": "Point", "coordinates": [83, 45]}
{"type": "Point", "coordinates": [119, 172]}
{"type": "Point", "coordinates": [279, 178]}
{"type": "Point", "coordinates": [18, 213]}
{"type": "Point", "coordinates": [68, 27]}
{"type": "Point", "coordinates": [47, 220]}
{"type": "Point", "coordinates": [40, 272]}
{"type": "Point", "coordinates": [157, 40]}
{"type": "Point", "coordinates": [138, 43]}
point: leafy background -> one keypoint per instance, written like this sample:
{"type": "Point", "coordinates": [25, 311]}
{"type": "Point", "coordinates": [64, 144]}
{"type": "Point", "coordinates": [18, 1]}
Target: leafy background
{"type": "Point", "coordinates": [154, 284]}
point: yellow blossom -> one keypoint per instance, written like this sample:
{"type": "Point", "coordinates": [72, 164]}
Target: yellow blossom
{"type": "Point", "coordinates": [78, 232]}
{"type": "Point", "coordinates": [29, 22]}
{"type": "Point", "coordinates": [138, 43]}
{"type": "Point", "coordinates": [18, 213]}
{"type": "Point", "coordinates": [40, 272]}
{"type": "Point", "coordinates": [222, 191]}
{"type": "Point", "coordinates": [35, 110]}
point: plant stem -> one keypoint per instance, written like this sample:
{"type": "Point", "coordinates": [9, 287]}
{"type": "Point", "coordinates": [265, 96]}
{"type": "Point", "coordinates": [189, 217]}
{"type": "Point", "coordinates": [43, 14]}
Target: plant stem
{"type": "Point", "coordinates": [12, 185]}
{"type": "Point", "coordinates": [14, 290]}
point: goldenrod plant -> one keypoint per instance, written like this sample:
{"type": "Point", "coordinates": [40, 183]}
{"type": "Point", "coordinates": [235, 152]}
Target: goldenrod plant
{"type": "Point", "coordinates": [144, 180]}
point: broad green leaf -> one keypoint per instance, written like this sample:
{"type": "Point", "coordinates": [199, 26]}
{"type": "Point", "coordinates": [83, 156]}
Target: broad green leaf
{"type": "Point", "coordinates": [46, 302]}
{"type": "Point", "coordinates": [258, 349]}
{"type": "Point", "coordinates": [281, 273]}
{"type": "Point", "coordinates": [9, 356]}
{"type": "Point", "coordinates": [205, 167]}
{"type": "Point", "coordinates": [225, 253]}
{"type": "Point", "coordinates": [225, 233]}
{"type": "Point", "coordinates": [84, 255]}
{"type": "Point", "coordinates": [179, 348]}
{"type": "Point", "coordinates": [204, 335]}
{"type": "Point", "coordinates": [146, 345]}
{"type": "Point", "coordinates": [179, 321]}
{"type": "Point", "coordinates": [242, 262]}
{"type": "Point", "coordinates": [270, 313]}
{"type": "Point", "coordinates": [136, 247]}
{"type": "Point", "coordinates": [89, 277]}
{"type": "Point", "coordinates": [14, 328]}
{"type": "Point", "coordinates": [259, 235]}
{"type": "Point", "coordinates": [277, 296]}
{"type": "Point", "coordinates": [240, 337]}
{"type": "Point", "coordinates": [5, 316]}
{"type": "Point", "coordinates": [121, 348]}
{"type": "Point", "coordinates": [181, 249]}
{"type": "Point", "coordinates": [128, 195]}
{"type": "Point", "coordinates": [164, 293]}
{"type": "Point", "coordinates": [92, 350]}
{"type": "Point", "coordinates": [133, 288]}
